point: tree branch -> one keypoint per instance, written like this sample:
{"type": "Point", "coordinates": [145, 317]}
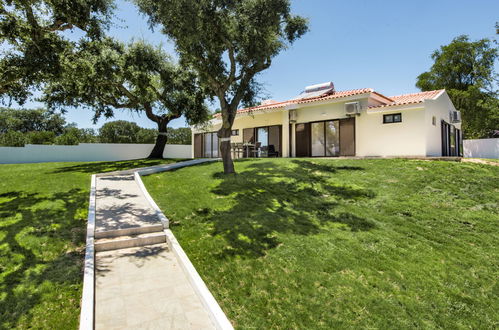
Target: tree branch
{"type": "Point", "coordinates": [59, 26]}
{"type": "Point", "coordinates": [150, 114]}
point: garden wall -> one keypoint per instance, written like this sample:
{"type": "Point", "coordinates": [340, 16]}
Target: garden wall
{"type": "Point", "coordinates": [482, 148]}
{"type": "Point", "coordinates": [84, 152]}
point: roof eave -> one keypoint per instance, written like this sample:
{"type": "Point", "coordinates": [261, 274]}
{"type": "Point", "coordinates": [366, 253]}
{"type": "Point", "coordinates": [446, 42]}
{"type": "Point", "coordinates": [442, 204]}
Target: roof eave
{"type": "Point", "coordinates": [396, 107]}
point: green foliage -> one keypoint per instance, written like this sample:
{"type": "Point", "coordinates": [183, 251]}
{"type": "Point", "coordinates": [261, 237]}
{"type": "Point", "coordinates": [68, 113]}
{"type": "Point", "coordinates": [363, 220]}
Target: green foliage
{"type": "Point", "coordinates": [33, 44]}
{"type": "Point", "coordinates": [181, 135]}
{"type": "Point", "coordinates": [147, 135]}
{"type": "Point", "coordinates": [466, 70]}
{"type": "Point", "coordinates": [119, 131]}
{"type": "Point", "coordinates": [40, 137]}
{"type": "Point", "coordinates": [74, 136]}
{"type": "Point", "coordinates": [227, 42]}
{"type": "Point", "coordinates": [13, 139]}
{"type": "Point", "coordinates": [122, 131]}
{"type": "Point", "coordinates": [28, 120]}
{"type": "Point", "coordinates": [107, 75]}
{"type": "Point", "coordinates": [341, 244]}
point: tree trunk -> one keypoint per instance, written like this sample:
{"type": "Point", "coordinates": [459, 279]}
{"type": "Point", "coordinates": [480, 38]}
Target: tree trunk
{"type": "Point", "coordinates": [224, 135]}
{"type": "Point", "coordinates": [161, 139]}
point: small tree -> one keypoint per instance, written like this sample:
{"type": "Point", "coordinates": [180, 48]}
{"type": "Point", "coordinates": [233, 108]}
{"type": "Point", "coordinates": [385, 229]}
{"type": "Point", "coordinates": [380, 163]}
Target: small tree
{"type": "Point", "coordinates": [73, 136]}
{"type": "Point", "coordinates": [466, 70]}
{"type": "Point", "coordinates": [228, 43]}
{"type": "Point", "coordinates": [119, 131]}
{"type": "Point", "coordinates": [107, 75]}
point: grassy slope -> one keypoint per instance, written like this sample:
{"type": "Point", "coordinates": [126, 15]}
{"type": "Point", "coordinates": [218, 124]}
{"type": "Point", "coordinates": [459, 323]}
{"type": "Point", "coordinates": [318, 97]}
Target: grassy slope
{"type": "Point", "coordinates": [342, 243]}
{"type": "Point", "coordinates": [43, 211]}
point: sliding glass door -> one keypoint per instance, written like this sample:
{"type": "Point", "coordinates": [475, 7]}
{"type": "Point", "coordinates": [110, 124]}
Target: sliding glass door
{"type": "Point", "coordinates": [332, 138]}
{"type": "Point", "coordinates": [318, 141]}
{"type": "Point", "coordinates": [325, 139]}
{"type": "Point", "coordinates": [211, 145]}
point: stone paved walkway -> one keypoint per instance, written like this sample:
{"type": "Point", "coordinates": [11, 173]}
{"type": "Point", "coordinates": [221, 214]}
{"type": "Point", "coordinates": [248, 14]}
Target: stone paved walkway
{"type": "Point", "coordinates": [142, 287]}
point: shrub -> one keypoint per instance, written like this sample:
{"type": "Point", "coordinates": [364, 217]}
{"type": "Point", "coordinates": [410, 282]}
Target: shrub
{"type": "Point", "coordinates": [43, 137]}
{"type": "Point", "coordinates": [13, 139]}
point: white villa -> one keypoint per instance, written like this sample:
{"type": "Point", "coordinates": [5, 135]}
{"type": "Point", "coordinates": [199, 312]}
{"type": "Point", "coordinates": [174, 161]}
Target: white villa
{"type": "Point", "coordinates": [323, 122]}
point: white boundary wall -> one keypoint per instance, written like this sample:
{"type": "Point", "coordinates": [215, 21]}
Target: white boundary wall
{"type": "Point", "coordinates": [482, 148]}
{"type": "Point", "coordinates": [86, 152]}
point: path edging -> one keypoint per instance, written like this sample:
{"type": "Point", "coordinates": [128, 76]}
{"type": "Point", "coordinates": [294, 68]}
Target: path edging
{"type": "Point", "coordinates": [88, 292]}
{"type": "Point", "coordinates": [216, 313]}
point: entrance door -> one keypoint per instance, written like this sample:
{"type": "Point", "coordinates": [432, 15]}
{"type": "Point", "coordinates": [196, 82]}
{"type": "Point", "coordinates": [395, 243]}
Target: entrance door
{"type": "Point", "coordinates": [347, 137]}
{"type": "Point", "coordinates": [302, 138]}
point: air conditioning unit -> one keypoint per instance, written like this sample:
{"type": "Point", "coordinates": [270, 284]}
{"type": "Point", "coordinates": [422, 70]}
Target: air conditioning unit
{"type": "Point", "coordinates": [455, 116]}
{"type": "Point", "coordinates": [292, 116]}
{"type": "Point", "coordinates": [352, 108]}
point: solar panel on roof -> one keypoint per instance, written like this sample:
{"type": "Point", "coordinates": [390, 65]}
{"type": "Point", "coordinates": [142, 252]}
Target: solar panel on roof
{"type": "Point", "coordinates": [316, 91]}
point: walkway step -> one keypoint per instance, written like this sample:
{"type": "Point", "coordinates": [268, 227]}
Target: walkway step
{"type": "Point", "coordinates": [123, 242]}
{"type": "Point", "coordinates": [129, 231]}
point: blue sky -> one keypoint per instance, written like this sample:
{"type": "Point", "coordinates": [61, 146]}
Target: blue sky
{"type": "Point", "coordinates": [384, 45]}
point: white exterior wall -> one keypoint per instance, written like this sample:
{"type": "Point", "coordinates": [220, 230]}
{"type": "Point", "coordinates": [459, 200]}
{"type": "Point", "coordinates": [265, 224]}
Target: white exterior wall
{"type": "Point", "coordinates": [85, 152]}
{"type": "Point", "coordinates": [414, 136]}
{"type": "Point", "coordinates": [407, 138]}
{"type": "Point", "coordinates": [440, 108]}
{"type": "Point", "coordinates": [481, 148]}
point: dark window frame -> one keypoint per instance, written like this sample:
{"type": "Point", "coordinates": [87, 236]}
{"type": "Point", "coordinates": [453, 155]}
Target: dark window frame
{"type": "Point", "coordinates": [234, 132]}
{"type": "Point", "coordinates": [392, 116]}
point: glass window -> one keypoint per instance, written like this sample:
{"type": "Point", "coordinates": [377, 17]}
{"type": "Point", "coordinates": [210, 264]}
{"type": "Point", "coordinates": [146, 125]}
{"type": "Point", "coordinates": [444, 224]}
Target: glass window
{"type": "Point", "coordinates": [332, 138]}
{"type": "Point", "coordinates": [214, 145]}
{"type": "Point", "coordinates": [235, 132]}
{"type": "Point", "coordinates": [263, 136]}
{"type": "Point", "coordinates": [318, 142]}
{"type": "Point", "coordinates": [207, 144]}
{"type": "Point", "coordinates": [395, 118]}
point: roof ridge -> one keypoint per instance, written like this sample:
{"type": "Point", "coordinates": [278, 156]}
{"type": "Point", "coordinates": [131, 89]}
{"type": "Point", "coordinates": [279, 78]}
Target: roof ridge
{"type": "Point", "coordinates": [418, 93]}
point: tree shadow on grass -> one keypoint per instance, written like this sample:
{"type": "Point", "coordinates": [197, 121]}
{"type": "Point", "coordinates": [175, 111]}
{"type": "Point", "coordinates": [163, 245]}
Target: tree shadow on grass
{"type": "Point", "coordinates": [41, 246]}
{"type": "Point", "coordinates": [103, 167]}
{"type": "Point", "coordinates": [271, 199]}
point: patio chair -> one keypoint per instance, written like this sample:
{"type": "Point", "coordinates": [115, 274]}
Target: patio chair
{"type": "Point", "coordinates": [256, 151]}
{"type": "Point", "coordinates": [271, 152]}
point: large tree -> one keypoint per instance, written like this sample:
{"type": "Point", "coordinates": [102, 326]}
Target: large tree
{"type": "Point", "coordinates": [466, 70]}
{"type": "Point", "coordinates": [227, 42]}
{"type": "Point", "coordinates": [107, 75]}
{"type": "Point", "coordinates": [33, 38]}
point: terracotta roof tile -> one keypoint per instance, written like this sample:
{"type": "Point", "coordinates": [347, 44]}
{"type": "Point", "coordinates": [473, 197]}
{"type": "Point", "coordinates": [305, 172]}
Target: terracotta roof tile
{"type": "Point", "coordinates": [335, 95]}
{"type": "Point", "coordinates": [391, 100]}
{"type": "Point", "coordinates": [413, 98]}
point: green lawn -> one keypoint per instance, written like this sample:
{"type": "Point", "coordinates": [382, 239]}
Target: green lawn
{"type": "Point", "coordinates": [311, 243]}
{"type": "Point", "coordinates": [43, 213]}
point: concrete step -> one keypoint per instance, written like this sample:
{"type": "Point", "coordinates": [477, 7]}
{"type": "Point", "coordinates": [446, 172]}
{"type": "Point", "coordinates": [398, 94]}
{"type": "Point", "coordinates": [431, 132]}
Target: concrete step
{"type": "Point", "coordinates": [123, 242]}
{"type": "Point", "coordinates": [129, 231]}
